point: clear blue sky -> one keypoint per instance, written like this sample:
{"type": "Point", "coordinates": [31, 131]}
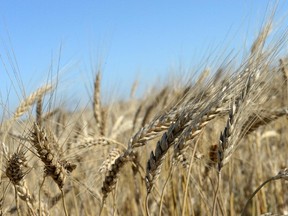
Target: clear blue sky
{"type": "Point", "coordinates": [131, 39]}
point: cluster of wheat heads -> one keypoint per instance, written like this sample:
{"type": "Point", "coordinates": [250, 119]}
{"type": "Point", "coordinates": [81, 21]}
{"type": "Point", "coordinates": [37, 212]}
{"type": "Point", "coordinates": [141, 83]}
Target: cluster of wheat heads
{"type": "Point", "coordinates": [206, 146]}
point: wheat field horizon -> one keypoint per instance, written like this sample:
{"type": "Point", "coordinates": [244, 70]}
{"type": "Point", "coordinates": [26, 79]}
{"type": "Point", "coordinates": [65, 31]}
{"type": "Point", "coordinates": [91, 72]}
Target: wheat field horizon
{"type": "Point", "coordinates": [212, 143]}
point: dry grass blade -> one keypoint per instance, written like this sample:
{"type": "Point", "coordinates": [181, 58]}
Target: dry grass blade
{"type": "Point", "coordinates": [258, 44]}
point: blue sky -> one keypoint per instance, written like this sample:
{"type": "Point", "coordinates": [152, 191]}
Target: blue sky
{"type": "Point", "coordinates": [131, 40]}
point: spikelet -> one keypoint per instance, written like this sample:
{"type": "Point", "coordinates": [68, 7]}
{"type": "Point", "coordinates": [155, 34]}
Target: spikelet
{"type": "Point", "coordinates": [112, 156]}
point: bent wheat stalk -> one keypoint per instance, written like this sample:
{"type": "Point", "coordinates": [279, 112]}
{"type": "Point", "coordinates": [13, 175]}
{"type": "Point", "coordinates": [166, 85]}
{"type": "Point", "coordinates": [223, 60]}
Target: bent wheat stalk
{"type": "Point", "coordinates": [283, 174]}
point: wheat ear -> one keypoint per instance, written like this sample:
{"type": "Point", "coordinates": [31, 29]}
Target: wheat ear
{"type": "Point", "coordinates": [89, 142]}
{"type": "Point", "coordinates": [24, 107]}
{"type": "Point", "coordinates": [155, 161]}
{"type": "Point", "coordinates": [153, 129]}
{"type": "Point", "coordinates": [225, 148]}
{"type": "Point", "coordinates": [15, 173]}
{"type": "Point", "coordinates": [111, 177]}
{"type": "Point", "coordinates": [226, 145]}
{"type": "Point", "coordinates": [194, 129]}
{"type": "Point", "coordinates": [30, 100]}
{"type": "Point", "coordinates": [97, 112]}
{"type": "Point", "coordinates": [50, 114]}
{"type": "Point", "coordinates": [284, 69]}
{"type": "Point", "coordinates": [55, 168]}
{"type": "Point", "coordinates": [254, 122]}
{"type": "Point", "coordinates": [104, 114]}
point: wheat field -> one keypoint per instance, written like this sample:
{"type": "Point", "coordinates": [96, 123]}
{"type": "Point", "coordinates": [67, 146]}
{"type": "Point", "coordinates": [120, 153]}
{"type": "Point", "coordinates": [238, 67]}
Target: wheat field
{"type": "Point", "coordinates": [214, 144]}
